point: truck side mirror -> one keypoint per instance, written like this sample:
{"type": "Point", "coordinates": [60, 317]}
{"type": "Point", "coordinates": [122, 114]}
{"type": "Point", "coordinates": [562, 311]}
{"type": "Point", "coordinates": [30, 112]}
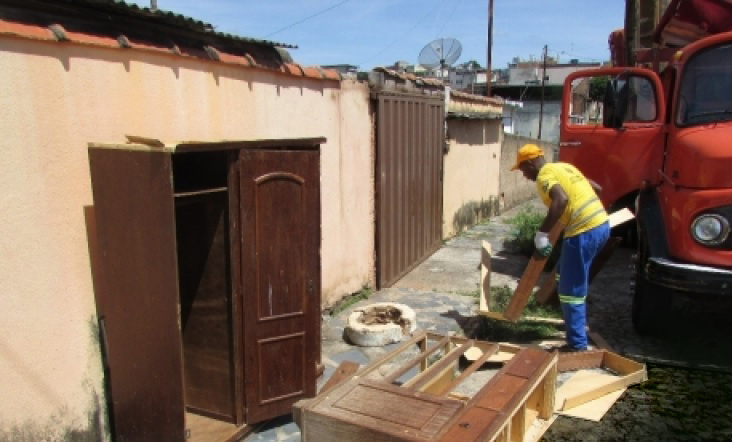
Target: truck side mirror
{"type": "Point", "coordinates": [615, 103]}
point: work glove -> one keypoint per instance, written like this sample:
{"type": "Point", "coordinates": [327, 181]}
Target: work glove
{"type": "Point", "coordinates": [543, 246]}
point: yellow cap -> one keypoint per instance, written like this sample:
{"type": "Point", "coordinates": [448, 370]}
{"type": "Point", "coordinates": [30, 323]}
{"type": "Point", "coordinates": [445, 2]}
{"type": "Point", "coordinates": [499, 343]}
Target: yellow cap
{"type": "Point", "coordinates": [527, 152]}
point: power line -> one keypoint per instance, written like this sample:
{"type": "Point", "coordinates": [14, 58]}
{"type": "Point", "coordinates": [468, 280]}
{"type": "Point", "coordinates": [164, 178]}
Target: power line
{"type": "Point", "coordinates": [307, 18]}
{"type": "Point", "coordinates": [449, 17]}
{"type": "Point", "coordinates": [401, 37]}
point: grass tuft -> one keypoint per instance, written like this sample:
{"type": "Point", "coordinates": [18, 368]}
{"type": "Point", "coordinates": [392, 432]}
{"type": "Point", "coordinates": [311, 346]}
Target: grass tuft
{"type": "Point", "coordinates": [522, 331]}
{"type": "Point", "coordinates": [348, 301]}
{"type": "Point", "coordinates": [525, 224]}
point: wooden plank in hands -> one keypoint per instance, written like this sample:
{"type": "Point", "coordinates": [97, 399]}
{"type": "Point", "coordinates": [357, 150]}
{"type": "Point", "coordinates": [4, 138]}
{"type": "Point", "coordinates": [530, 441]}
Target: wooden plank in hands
{"type": "Point", "coordinates": [528, 280]}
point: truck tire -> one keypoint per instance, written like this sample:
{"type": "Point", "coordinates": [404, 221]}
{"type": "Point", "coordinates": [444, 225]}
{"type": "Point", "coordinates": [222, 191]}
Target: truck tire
{"type": "Point", "coordinates": [651, 303]}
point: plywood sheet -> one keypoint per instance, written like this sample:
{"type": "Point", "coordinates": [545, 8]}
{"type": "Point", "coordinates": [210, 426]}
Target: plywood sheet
{"type": "Point", "coordinates": [596, 409]}
{"type": "Point", "coordinates": [581, 382]}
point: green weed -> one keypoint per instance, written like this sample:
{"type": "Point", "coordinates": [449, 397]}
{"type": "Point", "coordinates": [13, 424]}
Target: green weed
{"type": "Point", "coordinates": [525, 223]}
{"type": "Point", "coordinates": [348, 301]}
{"type": "Point", "coordinates": [500, 296]}
{"type": "Point", "coordinates": [524, 330]}
{"type": "Point", "coordinates": [495, 330]}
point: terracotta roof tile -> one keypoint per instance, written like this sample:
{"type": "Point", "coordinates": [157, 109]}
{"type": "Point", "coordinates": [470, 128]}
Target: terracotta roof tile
{"type": "Point", "coordinates": [331, 74]}
{"type": "Point", "coordinates": [84, 38]}
{"type": "Point", "coordinates": [124, 42]}
{"type": "Point", "coordinates": [27, 31]}
{"type": "Point", "coordinates": [146, 46]}
{"type": "Point", "coordinates": [213, 53]}
{"type": "Point", "coordinates": [312, 72]}
{"type": "Point", "coordinates": [234, 59]}
{"type": "Point", "coordinates": [293, 69]}
{"type": "Point", "coordinates": [57, 32]}
{"type": "Point", "coordinates": [252, 61]}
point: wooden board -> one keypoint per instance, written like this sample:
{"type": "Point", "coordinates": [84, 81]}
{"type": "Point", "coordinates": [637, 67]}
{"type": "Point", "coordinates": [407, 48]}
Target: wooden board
{"type": "Point", "coordinates": [574, 391]}
{"type": "Point", "coordinates": [620, 216]}
{"type": "Point", "coordinates": [595, 409]}
{"type": "Point", "coordinates": [598, 340]}
{"type": "Point", "coordinates": [485, 276]}
{"type": "Point", "coordinates": [529, 278]}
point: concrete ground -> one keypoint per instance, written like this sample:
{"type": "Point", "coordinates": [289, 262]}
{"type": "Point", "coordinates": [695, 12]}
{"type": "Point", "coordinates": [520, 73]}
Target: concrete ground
{"type": "Point", "coordinates": [689, 392]}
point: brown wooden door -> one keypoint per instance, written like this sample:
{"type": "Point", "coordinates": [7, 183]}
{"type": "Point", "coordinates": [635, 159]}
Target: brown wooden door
{"type": "Point", "coordinates": [137, 293]}
{"type": "Point", "coordinates": [280, 271]}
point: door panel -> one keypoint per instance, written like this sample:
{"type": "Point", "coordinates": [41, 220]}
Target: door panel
{"type": "Point", "coordinates": [137, 296]}
{"type": "Point", "coordinates": [205, 304]}
{"type": "Point", "coordinates": [280, 213]}
{"type": "Point", "coordinates": [618, 159]}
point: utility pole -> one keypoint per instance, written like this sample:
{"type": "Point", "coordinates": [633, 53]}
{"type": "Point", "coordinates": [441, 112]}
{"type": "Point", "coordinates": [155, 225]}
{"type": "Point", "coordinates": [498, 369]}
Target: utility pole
{"type": "Point", "coordinates": [541, 106]}
{"type": "Point", "coordinates": [490, 50]}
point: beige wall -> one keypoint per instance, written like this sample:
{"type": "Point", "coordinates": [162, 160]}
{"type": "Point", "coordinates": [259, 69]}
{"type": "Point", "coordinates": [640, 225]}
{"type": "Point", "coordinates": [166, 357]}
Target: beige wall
{"type": "Point", "coordinates": [471, 172]}
{"type": "Point", "coordinates": [515, 189]}
{"type": "Point", "coordinates": [56, 97]}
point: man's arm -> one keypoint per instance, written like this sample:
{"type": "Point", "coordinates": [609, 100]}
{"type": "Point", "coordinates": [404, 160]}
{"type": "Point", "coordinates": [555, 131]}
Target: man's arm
{"type": "Point", "coordinates": [556, 208]}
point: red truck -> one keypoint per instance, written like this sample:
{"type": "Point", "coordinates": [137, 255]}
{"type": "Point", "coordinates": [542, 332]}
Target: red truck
{"type": "Point", "coordinates": [660, 143]}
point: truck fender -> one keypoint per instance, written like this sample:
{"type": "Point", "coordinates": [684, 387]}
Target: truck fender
{"type": "Point", "coordinates": [650, 223]}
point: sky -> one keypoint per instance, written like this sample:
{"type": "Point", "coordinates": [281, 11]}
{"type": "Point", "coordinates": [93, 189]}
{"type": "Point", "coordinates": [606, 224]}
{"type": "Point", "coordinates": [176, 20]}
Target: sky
{"type": "Point", "coordinates": [371, 33]}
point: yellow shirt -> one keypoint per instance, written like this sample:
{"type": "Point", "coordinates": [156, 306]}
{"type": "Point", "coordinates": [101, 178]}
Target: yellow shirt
{"type": "Point", "coordinates": [584, 209]}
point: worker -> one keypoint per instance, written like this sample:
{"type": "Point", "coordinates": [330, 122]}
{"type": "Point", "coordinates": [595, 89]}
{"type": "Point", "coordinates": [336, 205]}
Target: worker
{"type": "Point", "coordinates": [571, 199]}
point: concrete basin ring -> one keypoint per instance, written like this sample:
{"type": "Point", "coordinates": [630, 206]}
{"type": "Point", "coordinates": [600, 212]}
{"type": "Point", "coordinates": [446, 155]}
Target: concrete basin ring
{"type": "Point", "coordinates": [380, 323]}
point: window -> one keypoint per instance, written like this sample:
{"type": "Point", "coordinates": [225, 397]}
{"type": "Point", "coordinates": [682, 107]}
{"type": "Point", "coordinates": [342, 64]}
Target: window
{"type": "Point", "coordinates": [705, 93]}
{"type": "Point", "coordinates": [604, 99]}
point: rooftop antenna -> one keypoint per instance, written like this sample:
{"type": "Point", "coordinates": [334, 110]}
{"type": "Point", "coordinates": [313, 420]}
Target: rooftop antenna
{"type": "Point", "coordinates": [441, 53]}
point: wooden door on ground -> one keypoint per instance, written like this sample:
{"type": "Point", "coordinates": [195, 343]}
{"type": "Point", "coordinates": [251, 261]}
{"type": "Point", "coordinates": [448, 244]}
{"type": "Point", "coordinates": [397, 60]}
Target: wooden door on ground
{"type": "Point", "coordinates": [280, 268]}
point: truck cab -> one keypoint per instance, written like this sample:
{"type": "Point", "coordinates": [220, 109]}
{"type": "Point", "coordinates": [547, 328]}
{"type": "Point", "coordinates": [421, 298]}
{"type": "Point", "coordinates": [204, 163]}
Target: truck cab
{"type": "Point", "coordinates": [660, 143]}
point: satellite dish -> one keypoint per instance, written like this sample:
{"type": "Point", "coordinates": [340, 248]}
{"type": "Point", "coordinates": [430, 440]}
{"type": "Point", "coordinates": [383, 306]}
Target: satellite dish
{"type": "Point", "coordinates": [440, 53]}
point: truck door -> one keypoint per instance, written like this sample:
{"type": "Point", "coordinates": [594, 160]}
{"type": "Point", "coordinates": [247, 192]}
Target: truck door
{"type": "Point", "coordinates": [612, 128]}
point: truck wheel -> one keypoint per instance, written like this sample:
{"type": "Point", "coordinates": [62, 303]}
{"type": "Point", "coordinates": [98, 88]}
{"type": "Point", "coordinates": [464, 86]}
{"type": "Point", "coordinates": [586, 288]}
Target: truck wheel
{"type": "Point", "coordinates": [651, 303]}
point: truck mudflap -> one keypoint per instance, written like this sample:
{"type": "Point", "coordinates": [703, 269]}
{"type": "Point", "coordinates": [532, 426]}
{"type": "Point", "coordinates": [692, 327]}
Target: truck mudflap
{"type": "Point", "coordinates": [689, 277]}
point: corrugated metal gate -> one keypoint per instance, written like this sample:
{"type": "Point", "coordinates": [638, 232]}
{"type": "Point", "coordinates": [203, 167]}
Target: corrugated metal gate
{"type": "Point", "coordinates": [409, 143]}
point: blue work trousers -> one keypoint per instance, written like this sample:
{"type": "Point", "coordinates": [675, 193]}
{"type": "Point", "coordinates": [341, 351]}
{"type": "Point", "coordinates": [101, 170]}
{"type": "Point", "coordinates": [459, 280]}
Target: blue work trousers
{"type": "Point", "coordinates": [574, 263]}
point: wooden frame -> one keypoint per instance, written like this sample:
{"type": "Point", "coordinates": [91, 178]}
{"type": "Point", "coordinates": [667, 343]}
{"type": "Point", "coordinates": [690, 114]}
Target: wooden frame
{"type": "Point", "coordinates": [373, 404]}
{"type": "Point", "coordinates": [627, 372]}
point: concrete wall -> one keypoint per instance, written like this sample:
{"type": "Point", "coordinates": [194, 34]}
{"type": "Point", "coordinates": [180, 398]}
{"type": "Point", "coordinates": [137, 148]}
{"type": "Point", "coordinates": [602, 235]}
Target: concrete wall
{"type": "Point", "coordinates": [56, 97]}
{"type": "Point", "coordinates": [515, 189]}
{"type": "Point", "coordinates": [526, 120]}
{"type": "Point", "coordinates": [471, 174]}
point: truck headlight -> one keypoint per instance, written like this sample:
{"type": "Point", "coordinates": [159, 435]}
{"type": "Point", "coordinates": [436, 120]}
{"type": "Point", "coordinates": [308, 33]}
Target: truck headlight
{"type": "Point", "coordinates": [710, 229]}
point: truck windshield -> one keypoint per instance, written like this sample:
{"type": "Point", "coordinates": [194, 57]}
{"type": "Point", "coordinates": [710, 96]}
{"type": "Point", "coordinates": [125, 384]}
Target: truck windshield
{"type": "Point", "coordinates": [705, 93]}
